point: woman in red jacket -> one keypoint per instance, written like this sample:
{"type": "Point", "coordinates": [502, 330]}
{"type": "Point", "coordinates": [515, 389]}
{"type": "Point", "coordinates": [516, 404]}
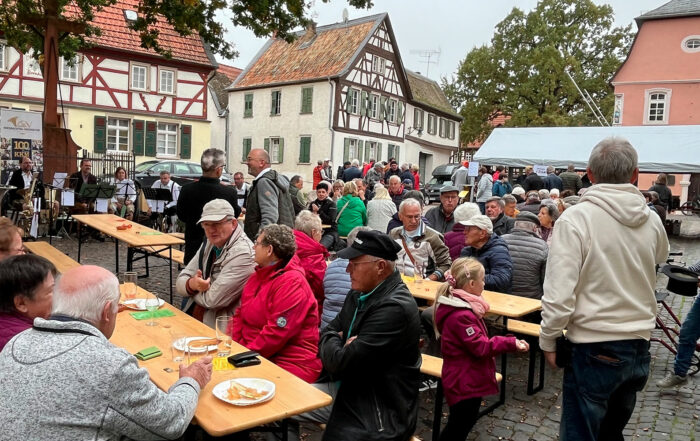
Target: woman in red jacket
{"type": "Point", "coordinates": [312, 255]}
{"type": "Point", "coordinates": [278, 316]}
{"type": "Point", "coordinates": [468, 369]}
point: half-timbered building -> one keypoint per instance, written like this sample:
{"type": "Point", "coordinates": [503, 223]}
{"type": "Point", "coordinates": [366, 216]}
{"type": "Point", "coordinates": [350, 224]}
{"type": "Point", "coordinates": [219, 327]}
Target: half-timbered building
{"type": "Point", "coordinates": [119, 97]}
{"type": "Point", "coordinates": [340, 92]}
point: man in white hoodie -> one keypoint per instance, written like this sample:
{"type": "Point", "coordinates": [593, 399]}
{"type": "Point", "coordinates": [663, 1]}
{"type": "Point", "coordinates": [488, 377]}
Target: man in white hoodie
{"type": "Point", "coordinates": [599, 286]}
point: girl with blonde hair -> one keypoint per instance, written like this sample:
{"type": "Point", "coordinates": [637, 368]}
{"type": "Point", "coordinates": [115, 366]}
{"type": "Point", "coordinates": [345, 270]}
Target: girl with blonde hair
{"type": "Point", "coordinates": [466, 346]}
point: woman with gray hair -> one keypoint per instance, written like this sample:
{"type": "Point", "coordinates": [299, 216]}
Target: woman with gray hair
{"type": "Point", "coordinates": [455, 239]}
{"type": "Point", "coordinates": [278, 316]}
{"type": "Point", "coordinates": [380, 209]}
{"type": "Point", "coordinates": [312, 255]}
{"type": "Point", "coordinates": [547, 215]}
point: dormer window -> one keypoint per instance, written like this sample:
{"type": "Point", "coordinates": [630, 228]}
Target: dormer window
{"type": "Point", "coordinates": [378, 64]}
{"type": "Point", "coordinates": [691, 43]}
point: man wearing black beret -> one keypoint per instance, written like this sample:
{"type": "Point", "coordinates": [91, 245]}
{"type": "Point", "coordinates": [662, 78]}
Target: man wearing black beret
{"type": "Point", "coordinates": [371, 347]}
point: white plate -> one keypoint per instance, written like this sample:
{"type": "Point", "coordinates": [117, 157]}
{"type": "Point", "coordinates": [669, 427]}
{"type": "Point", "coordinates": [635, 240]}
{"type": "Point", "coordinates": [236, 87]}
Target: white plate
{"type": "Point", "coordinates": [140, 304]}
{"type": "Point", "coordinates": [180, 345]}
{"type": "Point", "coordinates": [220, 391]}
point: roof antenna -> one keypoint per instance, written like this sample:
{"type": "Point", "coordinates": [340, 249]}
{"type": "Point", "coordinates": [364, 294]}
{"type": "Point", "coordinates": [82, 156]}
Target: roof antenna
{"type": "Point", "coordinates": [345, 15]}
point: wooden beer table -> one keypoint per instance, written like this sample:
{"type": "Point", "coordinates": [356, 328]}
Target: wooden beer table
{"type": "Point", "coordinates": [505, 305]}
{"type": "Point", "coordinates": [62, 262]}
{"type": "Point", "coordinates": [293, 395]}
{"type": "Point", "coordinates": [137, 236]}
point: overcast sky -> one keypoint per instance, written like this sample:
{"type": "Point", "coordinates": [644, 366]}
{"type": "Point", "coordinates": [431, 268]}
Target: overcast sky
{"type": "Point", "coordinates": [451, 26]}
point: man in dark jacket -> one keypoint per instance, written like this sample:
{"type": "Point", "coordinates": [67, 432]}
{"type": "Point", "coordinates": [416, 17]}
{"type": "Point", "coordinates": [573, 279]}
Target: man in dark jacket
{"type": "Point", "coordinates": [396, 190]}
{"type": "Point", "coordinates": [529, 255]}
{"type": "Point", "coordinates": [442, 218]}
{"type": "Point", "coordinates": [571, 180]}
{"type": "Point", "coordinates": [298, 199]}
{"type": "Point", "coordinates": [393, 171]}
{"type": "Point", "coordinates": [326, 209]}
{"type": "Point", "coordinates": [194, 196]}
{"type": "Point", "coordinates": [353, 172]}
{"type": "Point", "coordinates": [502, 224]}
{"type": "Point", "coordinates": [371, 348]}
{"type": "Point", "coordinates": [532, 180]}
{"type": "Point", "coordinates": [552, 180]}
{"type": "Point", "coordinates": [269, 201]}
{"type": "Point", "coordinates": [406, 174]}
{"type": "Point", "coordinates": [490, 250]}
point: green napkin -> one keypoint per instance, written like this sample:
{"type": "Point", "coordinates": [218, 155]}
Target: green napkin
{"type": "Point", "coordinates": [145, 315]}
{"type": "Point", "coordinates": [148, 353]}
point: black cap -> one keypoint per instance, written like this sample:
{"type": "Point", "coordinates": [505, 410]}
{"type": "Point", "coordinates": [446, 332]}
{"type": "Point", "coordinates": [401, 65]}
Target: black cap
{"type": "Point", "coordinates": [373, 243]}
{"type": "Point", "coordinates": [527, 217]}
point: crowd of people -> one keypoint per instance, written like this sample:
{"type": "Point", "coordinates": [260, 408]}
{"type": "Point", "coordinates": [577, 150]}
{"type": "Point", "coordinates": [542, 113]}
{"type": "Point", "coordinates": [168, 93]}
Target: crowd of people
{"type": "Point", "coordinates": [350, 326]}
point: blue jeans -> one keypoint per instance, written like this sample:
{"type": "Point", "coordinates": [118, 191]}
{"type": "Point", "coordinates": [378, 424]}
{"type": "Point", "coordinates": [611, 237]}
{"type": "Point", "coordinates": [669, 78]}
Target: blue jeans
{"type": "Point", "coordinates": [600, 389]}
{"type": "Point", "coordinates": [482, 207]}
{"type": "Point", "coordinates": [690, 332]}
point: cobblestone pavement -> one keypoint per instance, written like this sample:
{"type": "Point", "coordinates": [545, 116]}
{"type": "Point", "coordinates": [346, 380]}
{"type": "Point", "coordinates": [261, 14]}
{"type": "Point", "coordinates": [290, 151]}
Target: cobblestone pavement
{"type": "Point", "coordinates": [659, 415]}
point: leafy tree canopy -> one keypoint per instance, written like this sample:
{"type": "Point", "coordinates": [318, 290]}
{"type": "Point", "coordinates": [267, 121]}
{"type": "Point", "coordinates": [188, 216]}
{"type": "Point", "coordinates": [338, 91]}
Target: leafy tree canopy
{"type": "Point", "coordinates": [521, 73]}
{"type": "Point", "coordinates": [19, 21]}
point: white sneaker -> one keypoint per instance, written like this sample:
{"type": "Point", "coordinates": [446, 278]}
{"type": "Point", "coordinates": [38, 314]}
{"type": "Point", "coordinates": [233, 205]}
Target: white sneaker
{"type": "Point", "coordinates": [427, 385]}
{"type": "Point", "coordinates": [672, 380]}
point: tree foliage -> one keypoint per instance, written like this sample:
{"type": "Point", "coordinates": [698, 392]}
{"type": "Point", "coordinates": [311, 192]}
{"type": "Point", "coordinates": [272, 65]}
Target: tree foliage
{"type": "Point", "coordinates": [521, 73]}
{"type": "Point", "coordinates": [203, 17]}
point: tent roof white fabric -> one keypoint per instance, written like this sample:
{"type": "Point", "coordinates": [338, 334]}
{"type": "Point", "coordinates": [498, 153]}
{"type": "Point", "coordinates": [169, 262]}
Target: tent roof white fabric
{"type": "Point", "coordinates": [673, 149]}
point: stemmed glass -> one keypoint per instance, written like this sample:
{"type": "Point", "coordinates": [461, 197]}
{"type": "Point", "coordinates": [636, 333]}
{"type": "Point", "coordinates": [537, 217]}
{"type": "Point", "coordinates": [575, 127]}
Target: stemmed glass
{"type": "Point", "coordinates": [224, 338]}
{"type": "Point", "coordinates": [152, 302]}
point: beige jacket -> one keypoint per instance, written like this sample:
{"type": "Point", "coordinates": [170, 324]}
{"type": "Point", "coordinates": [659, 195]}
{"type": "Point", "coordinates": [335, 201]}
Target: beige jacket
{"type": "Point", "coordinates": [229, 273]}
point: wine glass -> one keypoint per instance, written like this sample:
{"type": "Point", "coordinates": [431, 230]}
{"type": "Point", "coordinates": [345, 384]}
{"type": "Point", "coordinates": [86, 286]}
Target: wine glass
{"type": "Point", "coordinates": [418, 271]}
{"type": "Point", "coordinates": [222, 335]}
{"type": "Point", "coordinates": [152, 303]}
{"type": "Point", "coordinates": [130, 285]}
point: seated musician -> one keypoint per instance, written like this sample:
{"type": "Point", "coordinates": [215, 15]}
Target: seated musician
{"type": "Point", "coordinates": [22, 179]}
{"type": "Point", "coordinates": [167, 208]}
{"type": "Point", "coordinates": [124, 195]}
{"type": "Point", "coordinates": [76, 180]}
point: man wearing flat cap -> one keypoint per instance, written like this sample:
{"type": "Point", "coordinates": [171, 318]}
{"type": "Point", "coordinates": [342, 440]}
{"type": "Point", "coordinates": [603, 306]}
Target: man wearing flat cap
{"type": "Point", "coordinates": [529, 255]}
{"type": "Point", "coordinates": [213, 280]}
{"type": "Point", "coordinates": [489, 249]}
{"type": "Point", "coordinates": [371, 347]}
{"type": "Point", "coordinates": [442, 217]}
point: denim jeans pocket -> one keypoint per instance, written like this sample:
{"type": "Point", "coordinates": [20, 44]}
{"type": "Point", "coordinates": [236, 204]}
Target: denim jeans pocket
{"type": "Point", "coordinates": [599, 372]}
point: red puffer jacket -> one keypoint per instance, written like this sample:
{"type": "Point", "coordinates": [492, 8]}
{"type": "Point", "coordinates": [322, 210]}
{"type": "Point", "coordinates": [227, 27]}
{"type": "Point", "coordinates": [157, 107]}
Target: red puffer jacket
{"type": "Point", "coordinates": [278, 318]}
{"type": "Point", "coordinates": [312, 257]}
{"type": "Point", "coordinates": [468, 369]}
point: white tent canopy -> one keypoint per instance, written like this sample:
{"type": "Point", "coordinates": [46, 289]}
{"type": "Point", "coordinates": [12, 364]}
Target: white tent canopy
{"type": "Point", "coordinates": [672, 149]}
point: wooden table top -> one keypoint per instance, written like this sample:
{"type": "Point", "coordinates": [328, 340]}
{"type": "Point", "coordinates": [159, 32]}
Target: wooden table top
{"type": "Point", "coordinates": [293, 396]}
{"type": "Point", "coordinates": [136, 236]}
{"type": "Point", "coordinates": [501, 304]}
{"type": "Point", "coordinates": [62, 262]}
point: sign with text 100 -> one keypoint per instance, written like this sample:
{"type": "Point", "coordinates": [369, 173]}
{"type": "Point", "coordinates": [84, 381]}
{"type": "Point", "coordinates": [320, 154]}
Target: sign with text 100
{"type": "Point", "coordinates": [21, 148]}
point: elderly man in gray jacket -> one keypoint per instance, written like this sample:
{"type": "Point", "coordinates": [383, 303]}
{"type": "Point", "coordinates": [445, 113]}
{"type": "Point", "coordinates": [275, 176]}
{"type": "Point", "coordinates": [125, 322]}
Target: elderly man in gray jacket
{"type": "Point", "coordinates": [213, 280]}
{"type": "Point", "coordinates": [63, 379]}
{"type": "Point", "coordinates": [529, 255]}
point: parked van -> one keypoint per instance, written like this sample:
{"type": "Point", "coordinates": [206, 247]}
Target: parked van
{"type": "Point", "coordinates": [442, 176]}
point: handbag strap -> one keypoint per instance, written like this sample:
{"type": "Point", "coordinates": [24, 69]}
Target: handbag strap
{"type": "Point", "coordinates": [408, 251]}
{"type": "Point", "coordinates": [341, 211]}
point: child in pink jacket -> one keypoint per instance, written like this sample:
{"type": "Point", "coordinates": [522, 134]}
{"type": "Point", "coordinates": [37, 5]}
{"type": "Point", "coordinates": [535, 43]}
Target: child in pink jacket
{"type": "Point", "coordinates": [468, 369]}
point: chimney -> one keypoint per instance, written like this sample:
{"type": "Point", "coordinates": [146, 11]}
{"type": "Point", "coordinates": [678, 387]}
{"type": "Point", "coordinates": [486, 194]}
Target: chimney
{"type": "Point", "coordinates": [311, 28]}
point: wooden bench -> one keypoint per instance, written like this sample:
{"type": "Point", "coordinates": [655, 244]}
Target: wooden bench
{"type": "Point", "coordinates": [532, 333]}
{"type": "Point", "coordinates": [432, 366]}
{"type": "Point", "coordinates": [59, 259]}
{"type": "Point", "coordinates": [158, 251]}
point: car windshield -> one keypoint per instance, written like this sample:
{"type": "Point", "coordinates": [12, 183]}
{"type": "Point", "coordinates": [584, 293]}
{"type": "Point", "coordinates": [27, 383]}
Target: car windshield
{"type": "Point", "coordinates": [143, 166]}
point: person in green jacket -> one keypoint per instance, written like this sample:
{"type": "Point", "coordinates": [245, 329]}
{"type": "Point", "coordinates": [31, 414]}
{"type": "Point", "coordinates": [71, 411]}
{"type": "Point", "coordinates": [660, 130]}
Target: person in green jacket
{"type": "Point", "coordinates": [351, 210]}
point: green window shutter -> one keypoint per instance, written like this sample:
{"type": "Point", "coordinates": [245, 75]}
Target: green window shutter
{"type": "Point", "coordinates": [138, 136]}
{"type": "Point", "coordinates": [151, 136]}
{"type": "Point", "coordinates": [247, 142]}
{"type": "Point", "coordinates": [416, 119]}
{"type": "Point", "coordinates": [348, 97]}
{"type": "Point", "coordinates": [281, 152]}
{"type": "Point", "coordinates": [390, 152]}
{"type": "Point", "coordinates": [266, 145]}
{"type": "Point", "coordinates": [366, 159]}
{"type": "Point", "coordinates": [275, 102]}
{"type": "Point", "coordinates": [307, 94]}
{"type": "Point", "coordinates": [383, 113]}
{"type": "Point", "coordinates": [305, 149]}
{"type": "Point", "coordinates": [185, 141]}
{"type": "Point", "coordinates": [100, 145]}
{"type": "Point", "coordinates": [248, 105]}
{"type": "Point", "coordinates": [360, 143]}
{"type": "Point", "coordinates": [364, 103]}
{"type": "Point", "coordinates": [397, 153]}
{"type": "Point", "coordinates": [346, 150]}
{"type": "Point", "coordinates": [399, 113]}
{"type": "Point", "coordinates": [379, 152]}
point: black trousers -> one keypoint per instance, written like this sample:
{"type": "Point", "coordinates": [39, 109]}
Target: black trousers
{"type": "Point", "coordinates": [462, 418]}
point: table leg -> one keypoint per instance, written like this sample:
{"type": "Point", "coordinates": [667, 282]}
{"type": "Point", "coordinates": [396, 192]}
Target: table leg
{"type": "Point", "coordinates": [437, 410]}
{"type": "Point", "coordinates": [116, 255]}
{"type": "Point", "coordinates": [170, 268]}
{"type": "Point", "coordinates": [80, 240]}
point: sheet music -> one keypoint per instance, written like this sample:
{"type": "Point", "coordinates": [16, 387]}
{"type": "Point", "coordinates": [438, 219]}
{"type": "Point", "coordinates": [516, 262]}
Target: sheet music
{"type": "Point", "coordinates": [33, 230]}
{"type": "Point", "coordinates": [59, 179]}
{"type": "Point", "coordinates": [101, 205]}
{"type": "Point", "coordinates": [67, 198]}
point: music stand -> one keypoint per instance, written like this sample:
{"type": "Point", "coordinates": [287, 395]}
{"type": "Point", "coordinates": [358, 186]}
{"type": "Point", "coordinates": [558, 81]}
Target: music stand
{"type": "Point", "coordinates": [158, 194]}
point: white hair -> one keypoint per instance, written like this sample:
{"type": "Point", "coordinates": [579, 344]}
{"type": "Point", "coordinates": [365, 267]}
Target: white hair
{"type": "Point", "coordinates": [466, 211]}
{"type": "Point", "coordinates": [88, 300]}
{"type": "Point", "coordinates": [355, 163]}
{"type": "Point", "coordinates": [306, 221]}
{"type": "Point", "coordinates": [394, 178]}
{"type": "Point", "coordinates": [409, 202]}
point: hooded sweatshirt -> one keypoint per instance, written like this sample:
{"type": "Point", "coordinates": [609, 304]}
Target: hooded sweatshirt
{"type": "Point", "coordinates": [600, 278]}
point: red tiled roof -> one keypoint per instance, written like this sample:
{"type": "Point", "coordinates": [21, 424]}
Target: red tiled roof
{"type": "Point", "coordinates": [332, 48]}
{"type": "Point", "coordinates": [230, 71]}
{"type": "Point", "coordinates": [116, 35]}
{"type": "Point", "coordinates": [497, 121]}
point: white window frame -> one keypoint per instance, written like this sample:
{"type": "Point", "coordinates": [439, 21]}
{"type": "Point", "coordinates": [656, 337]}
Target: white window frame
{"type": "Point", "coordinates": [161, 71]}
{"type": "Point", "coordinates": [117, 131]}
{"type": "Point", "coordinates": [418, 123]}
{"type": "Point", "coordinates": [378, 64]}
{"type": "Point", "coordinates": [164, 136]}
{"type": "Point", "coordinates": [278, 109]}
{"type": "Point", "coordinates": [619, 99]}
{"type": "Point", "coordinates": [691, 50]}
{"type": "Point", "coordinates": [451, 129]}
{"type": "Point", "coordinates": [648, 104]}
{"type": "Point", "coordinates": [354, 101]}
{"type": "Point", "coordinates": [391, 110]}
{"type": "Point", "coordinates": [442, 128]}
{"type": "Point", "coordinates": [72, 70]}
{"type": "Point", "coordinates": [352, 148]}
{"type": "Point", "coordinates": [146, 80]}
{"type": "Point", "coordinates": [274, 150]}
{"type": "Point", "coordinates": [370, 149]}
{"type": "Point", "coordinates": [374, 102]}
